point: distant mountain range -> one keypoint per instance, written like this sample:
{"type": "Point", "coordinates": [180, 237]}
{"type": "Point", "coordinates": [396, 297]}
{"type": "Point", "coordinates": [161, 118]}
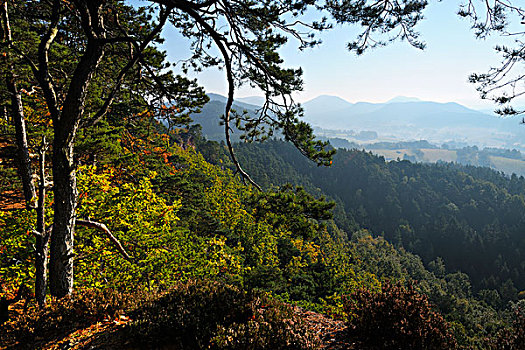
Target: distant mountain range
{"type": "Point", "coordinates": [330, 112]}
{"type": "Point", "coordinates": [209, 117]}
{"type": "Point", "coordinates": [406, 119]}
{"type": "Point", "coordinates": [400, 119]}
{"type": "Point", "coordinates": [240, 102]}
{"type": "Point", "coordinates": [326, 104]}
{"type": "Point", "coordinates": [253, 100]}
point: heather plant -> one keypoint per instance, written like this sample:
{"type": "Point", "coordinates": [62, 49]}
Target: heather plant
{"type": "Point", "coordinates": [208, 314]}
{"type": "Point", "coordinates": [397, 317]}
{"type": "Point", "coordinates": [513, 337]}
{"type": "Point", "coordinates": [196, 314]}
{"type": "Point", "coordinates": [35, 327]}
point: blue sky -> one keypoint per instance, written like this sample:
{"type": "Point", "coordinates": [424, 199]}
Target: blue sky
{"type": "Point", "coordinates": [438, 73]}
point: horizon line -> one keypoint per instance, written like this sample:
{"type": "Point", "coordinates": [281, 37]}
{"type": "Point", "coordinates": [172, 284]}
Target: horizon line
{"type": "Point", "coordinates": [390, 100]}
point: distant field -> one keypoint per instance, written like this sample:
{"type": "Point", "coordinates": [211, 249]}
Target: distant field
{"type": "Point", "coordinates": [429, 154]}
{"type": "Point", "coordinates": [508, 166]}
{"type": "Point", "coordinates": [393, 154]}
{"type": "Point", "coordinates": [433, 155]}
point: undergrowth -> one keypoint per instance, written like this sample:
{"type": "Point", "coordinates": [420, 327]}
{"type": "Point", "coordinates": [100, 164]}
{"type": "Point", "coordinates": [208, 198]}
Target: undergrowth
{"type": "Point", "coordinates": [190, 315]}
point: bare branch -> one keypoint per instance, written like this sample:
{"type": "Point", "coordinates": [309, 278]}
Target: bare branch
{"type": "Point", "coordinates": [102, 227]}
{"type": "Point", "coordinates": [217, 38]}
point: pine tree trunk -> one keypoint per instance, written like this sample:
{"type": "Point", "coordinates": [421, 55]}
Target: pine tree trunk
{"type": "Point", "coordinates": [65, 198]}
{"type": "Point", "coordinates": [42, 238]}
{"type": "Point", "coordinates": [64, 172]}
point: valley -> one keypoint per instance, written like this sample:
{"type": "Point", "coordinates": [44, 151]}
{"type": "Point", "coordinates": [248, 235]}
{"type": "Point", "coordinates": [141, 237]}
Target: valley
{"type": "Point", "coordinates": [403, 128]}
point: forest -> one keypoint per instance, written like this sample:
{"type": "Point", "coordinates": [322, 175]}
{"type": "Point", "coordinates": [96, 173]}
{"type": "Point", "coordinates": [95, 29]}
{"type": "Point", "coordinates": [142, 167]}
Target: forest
{"type": "Point", "coordinates": [122, 227]}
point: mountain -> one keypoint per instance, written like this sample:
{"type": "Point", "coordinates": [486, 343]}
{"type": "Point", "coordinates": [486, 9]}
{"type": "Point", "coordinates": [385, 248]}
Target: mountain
{"type": "Point", "coordinates": [489, 111]}
{"type": "Point", "coordinates": [439, 123]}
{"type": "Point", "coordinates": [240, 103]}
{"type": "Point", "coordinates": [325, 104]}
{"type": "Point", "coordinates": [209, 117]}
{"type": "Point", "coordinates": [403, 99]}
{"type": "Point", "coordinates": [405, 119]}
{"type": "Point", "coordinates": [252, 100]}
{"type": "Point", "coordinates": [418, 113]}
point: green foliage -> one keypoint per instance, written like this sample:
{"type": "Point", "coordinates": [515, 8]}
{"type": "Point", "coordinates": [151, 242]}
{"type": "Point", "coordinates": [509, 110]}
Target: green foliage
{"type": "Point", "coordinates": [281, 235]}
{"type": "Point", "coordinates": [294, 210]}
{"type": "Point", "coordinates": [99, 144]}
{"type": "Point", "coordinates": [16, 252]}
{"type": "Point", "coordinates": [162, 251]}
{"type": "Point", "coordinates": [224, 198]}
{"type": "Point", "coordinates": [397, 317]}
{"type": "Point", "coordinates": [470, 217]}
{"type": "Point", "coordinates": [471, 319]}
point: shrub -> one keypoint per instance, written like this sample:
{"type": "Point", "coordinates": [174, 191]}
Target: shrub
{"type": "Point", "coordinates": [397, 317]}
{"type": "Point", "coordinates": [198, 315]}
{"type": "Point", "coordinates": [273, 325]}
{"type": "Point", "coordinates": [190, 315]}
{"type": "Point", "coordinates": [512, 338]}
{"type": "Point", "coordinates": [61, 317]}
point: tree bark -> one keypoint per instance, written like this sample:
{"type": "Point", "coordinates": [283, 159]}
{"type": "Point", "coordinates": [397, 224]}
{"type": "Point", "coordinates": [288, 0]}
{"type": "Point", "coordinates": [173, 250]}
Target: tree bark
{"type": "Point", "coordinates": [65, 192]}
{"type": "Point", "coordinates": [66, 121]}
{"type": "Point", "coordinates": [103, 228]}
{"type": "Point", "coordinates": [64, 172]}
{"type": "Point", "coordinates": [42, 238]}
{"type": "Point", "coordinates": [23, 161]}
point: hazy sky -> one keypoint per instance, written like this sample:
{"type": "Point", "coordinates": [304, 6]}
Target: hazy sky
{"type": "Point", "coordinates": [438, 73]}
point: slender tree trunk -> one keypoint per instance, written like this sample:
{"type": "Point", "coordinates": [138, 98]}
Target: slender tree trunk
{"type": "Point", "coordinates": [23, 160]}
{"type": "Point", "coordinates": [42, 237]}
{"type": "Point", "coordinates": [5, 118]}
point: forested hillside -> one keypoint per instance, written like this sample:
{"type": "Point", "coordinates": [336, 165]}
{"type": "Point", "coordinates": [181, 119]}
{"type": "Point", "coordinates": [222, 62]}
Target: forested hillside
{"type": "Point", "coordinates": [468, 216]}
{"type": "Point", "coordinates": [181, 219]}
